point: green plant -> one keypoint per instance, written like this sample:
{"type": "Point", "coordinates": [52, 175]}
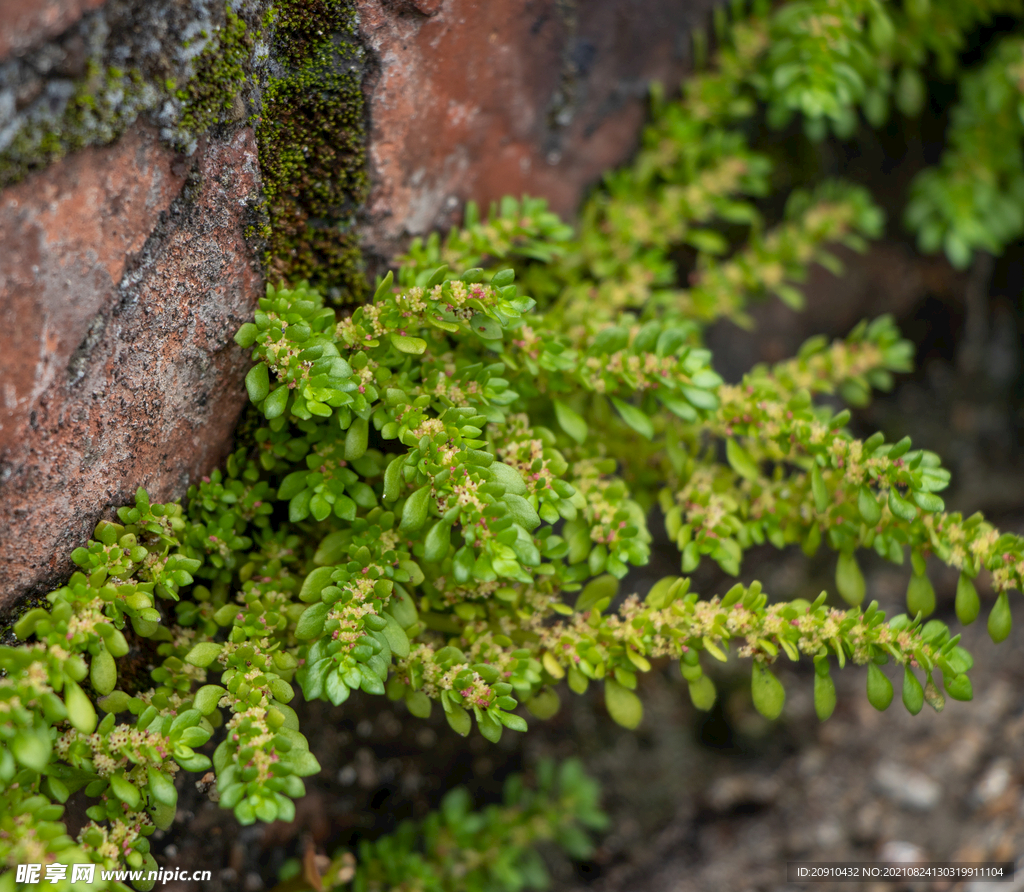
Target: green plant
{"type": "Point", "coordinates": [444, 488]}
{"type": "Point", "coordinates": [458, 850]}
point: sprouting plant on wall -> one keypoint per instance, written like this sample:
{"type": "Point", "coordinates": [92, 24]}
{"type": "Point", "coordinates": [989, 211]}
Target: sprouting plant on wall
{"type": "Point", "coordinates": [444, 488]}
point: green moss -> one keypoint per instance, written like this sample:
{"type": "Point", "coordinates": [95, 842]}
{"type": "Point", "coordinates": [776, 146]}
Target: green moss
{"type": "Point", "coordinates": [312, 148]}
{"type": "Point", "coordinates": [310, 133]}
{"type": "Point", "coordinates": [104, 103]}
{"type": "Point", "coordinates": [107, 100]}
{"type": "Point", "coordinates": [221, 74]}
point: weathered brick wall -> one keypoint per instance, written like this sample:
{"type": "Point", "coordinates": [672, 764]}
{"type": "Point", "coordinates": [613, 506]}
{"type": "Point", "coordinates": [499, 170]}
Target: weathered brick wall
{"type": "Point", "coordinates": [132, 247]}
{"type": "Point", "coordinates": [480, 99]}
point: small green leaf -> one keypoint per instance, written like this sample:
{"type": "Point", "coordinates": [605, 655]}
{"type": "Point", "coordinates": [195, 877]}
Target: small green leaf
{"type": "Point", "coordinates": [32, 748]}
{"type": "Point", "coordinates": [933, 696]}
{"type": "Point", "coordinates": [436, 277]}
{"type": "Point", "coordinates": [513, 722]}
{"type": "Point", "coordinates": [929, 502]}
{"type": "Point", "coordinates": [489, 727]}
{"type": "Point", "coordinates": [623, 705]}
{"type": "Point", "coordinates": [849, 579]}
{"type": "Point", "coordinates": [319, 507]}
{"type": "Point", "coordinates": [635, 418]}
{"type": "Point", "coordinates": [257, 382]}
{"type": "Point", "coordinates": [384, 288]}
{"type": "Point", "coordinates": [315, 583]}
{"type": "Point", "coordinates": [509, 477]}
{"type": "Point", "coordinates": [393, 478]}
{"type": "Point", "coordinates": [459, 719]}
{"type": "Point", "coordinates": [702, 693]}
{"type": "Point", "coordinates": [161, 787]}
{"type": "Point", "coordinates": [1000, 621]}
{"type": "Point", "coordinates": [485, 327]}
{"type": "Point", "coordinates": [545, 705]}
{"type": "Point", "coordinates": [820, 493]}
{"type": "Point", "coordinates": [578, 682]}
{"type": "Point", "coordinates": [602, 588]}
{"type": "Point", "coordinates": [968, 604]}
{"type": "Point", "coordinates": [572, 423]}
{"type": "Point", "coordinates": [126, 791]}
{"type": "Point", "coordinates": [405, 344]}
{"type": "Point", "coordinates": [335, 688]}
{"type": "Point", "coordinates": [741, 461]}
{"type": "Point", "coordinates": [81, 712]}
{"type": "Point", "coordinates": [402, 608]}
{"type": "Point", "coordinates": [246, 335]}
{"type": "Point", "coordinates": [311, 623]}
{"type": "Point", "coordinates": [437, 543]}
{"type": "Point", "coordinates": [276, 403]}
{"type": "Point", "coordinates": [913, 693]}
{"type": "Point", "coordinates": [900, 507]}
{"type": "Point", "coordinates": [356, 439]}
{"type": "Point", "coordinates": [959, 687]}
{"type": "Point", "coordinates": [879, 688]}
{"type": "Point", "coordinates": [281, 690]}
{"type": "Point", "coordinates": [414, 513]}
{"type": "Point", "coordinates": [298, 507]}
{"type": "Point", "coordinates": [398, 641]}
{"type": "Point", "coordinates": [521, 511]}
{"type": "Point", "coordinates": [868, 507]}
{"type": "Point", "coordinates": [28, 622]}
{"type": "Point", "coordinates": [103, 672]}
{"type": "Point", "coordinates": [304, 763]}
{"type": "Point", "coordinates": [767, 692]}
{"type": "Point", "coordinates": [117, 701]}
{"type": "Point", "coordinates": [203, 654]}
{"type": "Point", "coordinates": [920, 596]}
{"type": "Point", "coordinates": [418, 704]}
{"type": "Point", "coordinates": [207, 698]}
{"type": "Point", "coordinates": [824, 695]}
{"type": "Point", "coordinates": [662, 592]}
{"type": "Point", "coordinates": [370, 680]}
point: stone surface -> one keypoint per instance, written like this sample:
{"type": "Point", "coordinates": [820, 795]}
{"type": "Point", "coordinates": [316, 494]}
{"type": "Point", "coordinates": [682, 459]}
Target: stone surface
{"type": "Point", "coordinates": [124, 275]}
{"type": "Point", "coordinates": [478, 100]}
{"type": "Point", "coordinates": [907, 787]}
{"type": "Point", "coordinates": [24, 23]}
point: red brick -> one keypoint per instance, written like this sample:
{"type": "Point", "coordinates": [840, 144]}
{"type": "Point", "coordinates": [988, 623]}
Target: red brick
{"type": "Point", "coordinates": [465, 102]}
{"type": "Point", "coordinates": [25, 23]}
{"type": "Point", "coordinates": [125, 294]}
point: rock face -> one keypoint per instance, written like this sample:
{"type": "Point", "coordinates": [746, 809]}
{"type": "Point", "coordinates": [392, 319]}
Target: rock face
{"type": "Point", "coordinates": [123, 277]}
{"type": "Point", "coordinates": [26, 22]}
{"type": "Point", "coordinates": [476, 100]}
{"type": "Point", "coordinates": [126, 269]}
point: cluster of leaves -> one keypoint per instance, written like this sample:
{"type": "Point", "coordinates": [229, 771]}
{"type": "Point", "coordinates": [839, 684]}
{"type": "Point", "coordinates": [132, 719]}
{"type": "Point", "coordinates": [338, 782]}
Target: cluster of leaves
{"type": "Point", "coordinates": [444, 488]}
{"type": "Point", "coordinates": [458, 850]}
{"type": "Point", "coordinates": [974, 199]}
{"type": "Point", "coordinates": [827, 60]}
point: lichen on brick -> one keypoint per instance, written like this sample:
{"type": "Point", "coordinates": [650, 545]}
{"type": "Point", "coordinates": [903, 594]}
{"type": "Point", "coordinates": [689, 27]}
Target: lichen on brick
{"type": "Point", "coordinates": [312, 146]}
{"type": "Point", "coordinates": [95, 110]}
{"type": "Point", "coordinates": [187, 66]}
{"type": "Point", "coordinates": [297, 62]}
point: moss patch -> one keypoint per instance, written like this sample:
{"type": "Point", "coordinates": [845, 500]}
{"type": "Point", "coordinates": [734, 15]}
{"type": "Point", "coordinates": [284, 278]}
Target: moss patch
{"type": "Point", "coordinates": [221, 73]}
{"type": "Point", "coordinates": [138, 55]}
{"type": "Point", "coordinates": [310, 130]}
{"type": "Point", "coordinates": [100, 108]}
{"type": "Point", "coordinates": [312, 148]}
